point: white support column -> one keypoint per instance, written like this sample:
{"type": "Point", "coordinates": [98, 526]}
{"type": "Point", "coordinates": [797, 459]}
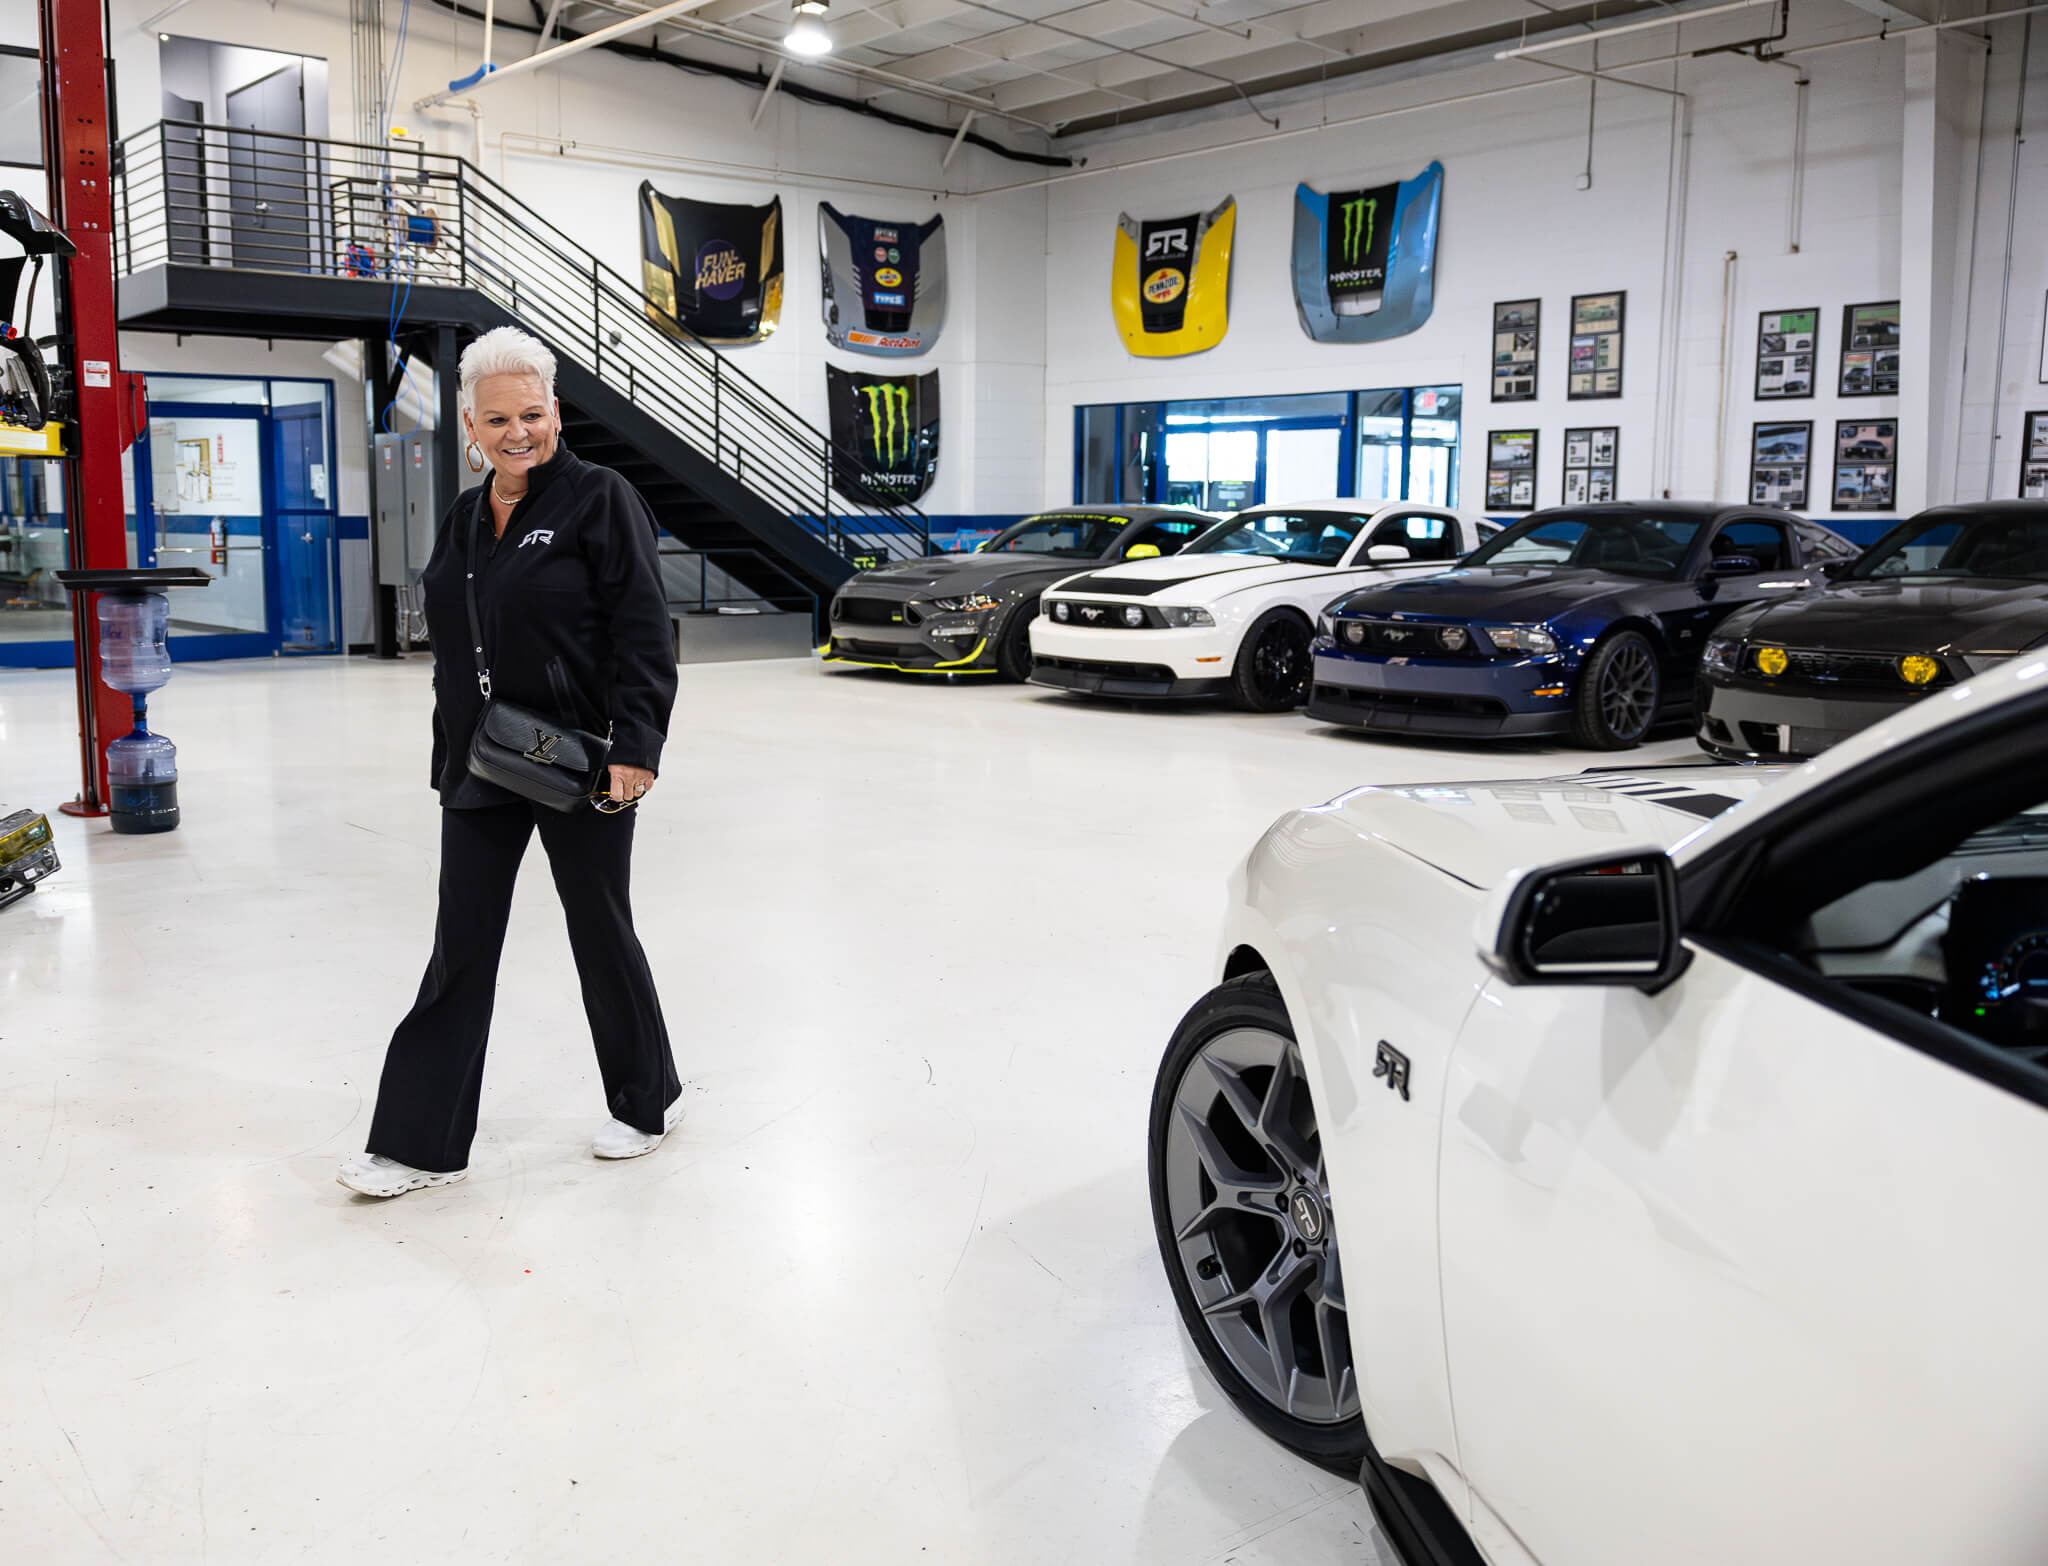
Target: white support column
{"type": "Point", "coordinates": [1943, 76]}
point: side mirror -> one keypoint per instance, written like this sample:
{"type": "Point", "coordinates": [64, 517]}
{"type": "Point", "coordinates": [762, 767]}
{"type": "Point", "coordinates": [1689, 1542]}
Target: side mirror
{"type": "Point", "coordinates": [1836, 570]}
{"type": "Point", "coordinates": [1387, 552]}
{"type": "Point", "coordinates": [1142, 552]}
{"type": "Point", "coordinates": [1611, 920]}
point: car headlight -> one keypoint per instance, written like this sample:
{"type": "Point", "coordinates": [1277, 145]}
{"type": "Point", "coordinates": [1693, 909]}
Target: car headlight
{"type": "Point", "coordinates": [973, 603]}
{"type": "Point", "coordinates": [1060, 611]}
{"type": "Point", "coordinates": [1181, 619]}
{"type": "Point", "coordinates": [1919, 669]}
{"type": "Point", "coordinates": [1455, 638]}
{"type": "Point", "coordinates": [1531, 639]}
{"type": "Point", "coordinates": [1354, 633]}
{"type": "Point", "coordinates": [1134, 617]}
{"type": "Point", "coordinates": [1719, 655]}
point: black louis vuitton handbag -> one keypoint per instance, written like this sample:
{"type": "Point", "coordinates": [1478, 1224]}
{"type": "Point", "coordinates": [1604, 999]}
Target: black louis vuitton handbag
{"type": "Point", "coordinates": [535, 756]}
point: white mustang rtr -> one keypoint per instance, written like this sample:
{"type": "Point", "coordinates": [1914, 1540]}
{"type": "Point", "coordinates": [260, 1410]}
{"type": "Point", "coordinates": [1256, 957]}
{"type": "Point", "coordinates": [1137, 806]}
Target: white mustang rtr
{"type": "Point", "coordinates": [1691, 1188]}
{"type": "Point", "coordinates": [1234, 612]}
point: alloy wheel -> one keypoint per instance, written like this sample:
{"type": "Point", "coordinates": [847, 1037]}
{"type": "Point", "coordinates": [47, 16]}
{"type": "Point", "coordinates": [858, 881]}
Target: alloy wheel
{"type": "Point", "coordinates": [1280, 664]}
{"type": "Point", "coordinates": [1248, 1196]}
{"type": "Point", "coordinates": [1628, 689]}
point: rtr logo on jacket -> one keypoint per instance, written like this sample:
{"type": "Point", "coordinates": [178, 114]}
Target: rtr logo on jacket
{"type": "Point", "coordinates": [540, 535]}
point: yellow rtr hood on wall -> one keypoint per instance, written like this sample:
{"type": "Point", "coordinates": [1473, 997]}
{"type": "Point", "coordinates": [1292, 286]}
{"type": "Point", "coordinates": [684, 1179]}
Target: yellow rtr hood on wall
{"type": "Point", "coordinates": [1170, 285]}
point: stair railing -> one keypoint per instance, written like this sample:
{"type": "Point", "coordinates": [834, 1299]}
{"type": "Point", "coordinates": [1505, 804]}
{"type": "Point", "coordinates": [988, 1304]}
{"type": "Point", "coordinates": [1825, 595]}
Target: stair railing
{"type": "Point", "coordinates": [404, 217]}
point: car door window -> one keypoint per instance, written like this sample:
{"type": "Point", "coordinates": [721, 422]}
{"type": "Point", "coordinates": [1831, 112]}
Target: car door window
{"type": "Point", "coordinates": [1749, 547]}
{"type": "Point", "coordinates": [1817, 544]}
{"type": "Point", "coordinates": [1424, 537]}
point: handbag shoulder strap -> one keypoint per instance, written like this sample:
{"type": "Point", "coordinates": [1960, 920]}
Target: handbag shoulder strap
{"type": "Point", "coordinates": [476, 629]}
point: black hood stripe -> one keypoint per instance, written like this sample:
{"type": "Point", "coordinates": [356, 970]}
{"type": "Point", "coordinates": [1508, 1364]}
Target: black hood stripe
{"type": "Point", "coordinates": [1124, 587]}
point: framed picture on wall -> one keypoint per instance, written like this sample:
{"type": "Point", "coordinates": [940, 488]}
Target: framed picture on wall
{"type": "Point", "coordinates": [1511, 470]}
{"type": "Point", "coordinates": [1786, 343]}
{"type": "Point", "coordinates": [1866, 464]}
{"type": "Point", "coordinates": [2034, 459]}
{"type": "Point", "coordinates": [1591, 459]}
{"type": "Point", "coordinates": [1598, 321]}
{"type": "Point", "coordinates": [1780, 457]}
{"type": "Point", "coordinates": [1516, 324]}
{"type": "Point", "coordinates": [1870, 350]}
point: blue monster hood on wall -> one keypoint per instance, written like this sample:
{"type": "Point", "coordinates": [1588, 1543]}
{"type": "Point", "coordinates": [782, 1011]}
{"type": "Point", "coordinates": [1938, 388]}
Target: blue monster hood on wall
{"type": "Point", "coordinates": [1365, 260]}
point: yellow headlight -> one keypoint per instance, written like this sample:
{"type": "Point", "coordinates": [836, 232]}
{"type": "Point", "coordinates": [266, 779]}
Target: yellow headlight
{"type": "Point", "coordinates": [1918, 669]}
{"type": "Point", "coordinates": [1771, 661]}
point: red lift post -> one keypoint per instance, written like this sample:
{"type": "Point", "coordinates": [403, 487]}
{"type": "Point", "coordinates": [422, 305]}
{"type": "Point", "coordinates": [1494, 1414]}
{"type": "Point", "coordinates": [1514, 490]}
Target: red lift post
{"type": "Point", "coordinates": [78, 155]}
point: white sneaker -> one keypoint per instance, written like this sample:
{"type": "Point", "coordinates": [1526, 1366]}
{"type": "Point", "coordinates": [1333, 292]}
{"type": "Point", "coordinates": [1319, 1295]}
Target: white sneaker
{"type": "Point", "coordinates": [375, 1175]}
{"type": "Point", "coordinates": [616, 1139]}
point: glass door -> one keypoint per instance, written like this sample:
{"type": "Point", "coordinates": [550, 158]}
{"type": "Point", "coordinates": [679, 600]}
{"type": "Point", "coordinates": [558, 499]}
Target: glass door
{"type": "Point", "coordinates": [210, 506]}
{"type": "Point", "coordinates": [35, 613]}
{"type": "Point", "coordinates": [302, 470]}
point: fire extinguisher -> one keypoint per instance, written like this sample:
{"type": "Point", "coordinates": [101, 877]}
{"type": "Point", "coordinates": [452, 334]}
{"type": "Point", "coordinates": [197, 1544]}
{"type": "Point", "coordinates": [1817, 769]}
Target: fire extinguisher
{"type": "Point", "coordinates": [217, 535]}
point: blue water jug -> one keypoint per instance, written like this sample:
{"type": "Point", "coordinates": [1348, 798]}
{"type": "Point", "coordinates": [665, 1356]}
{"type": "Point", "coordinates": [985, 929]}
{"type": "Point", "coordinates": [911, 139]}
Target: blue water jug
{"type": "Point", "coordinates": [134, 654]}
{"type": "Point", "coordinates": [142, 783]}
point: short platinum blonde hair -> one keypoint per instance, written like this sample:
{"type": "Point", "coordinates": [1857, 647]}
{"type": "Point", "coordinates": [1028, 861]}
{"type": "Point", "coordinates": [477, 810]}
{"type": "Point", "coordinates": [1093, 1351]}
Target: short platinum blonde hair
{"type": "Point", "coordinates": [506, 350]}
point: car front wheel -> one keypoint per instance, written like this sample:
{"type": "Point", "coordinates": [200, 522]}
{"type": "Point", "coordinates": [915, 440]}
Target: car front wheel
{"type": "Point", "coordinates": [1273, 664]}
{"type": "Point", "coordinates": [1013, 644]}
{"type": "Point", "coordinates": [1618, 693]}
{"type": "Point", "coordinates": [1241, 1205]}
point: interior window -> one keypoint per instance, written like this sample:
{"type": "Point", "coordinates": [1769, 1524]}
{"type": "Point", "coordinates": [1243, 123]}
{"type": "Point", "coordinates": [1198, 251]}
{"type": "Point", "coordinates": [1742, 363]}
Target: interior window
{"type": "Point", "coordinates": [1745, 548]}
{"type": "Point", "coordinates": [1425, 538]}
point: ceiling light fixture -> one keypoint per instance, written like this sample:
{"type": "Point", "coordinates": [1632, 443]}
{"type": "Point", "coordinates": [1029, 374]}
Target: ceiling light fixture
{"type": "Point", "coordinates": [806, 35]}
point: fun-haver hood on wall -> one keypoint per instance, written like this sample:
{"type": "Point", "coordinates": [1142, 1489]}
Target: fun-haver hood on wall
{"type": "Point", "coordinates": [885, 434]}
{"type": "Point", "coordinates": [715, 269]}
{"type": "Point", "coordinates": [1170, 287]}
{"type": "Point", "coordinates": [884, 282]}
{"type": "Point", "coordinates": [1365, 260]}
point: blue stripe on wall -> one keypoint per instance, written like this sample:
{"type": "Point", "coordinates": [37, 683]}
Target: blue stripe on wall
{"type": "Point", "coordinates": [352, 527]}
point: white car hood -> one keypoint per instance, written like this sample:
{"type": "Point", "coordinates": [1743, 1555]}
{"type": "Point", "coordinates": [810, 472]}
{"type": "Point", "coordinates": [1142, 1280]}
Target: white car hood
{"type": "Point", "coordinates": [1194, 579]}
{"type": "Point", "coordinates": [1482, 832]}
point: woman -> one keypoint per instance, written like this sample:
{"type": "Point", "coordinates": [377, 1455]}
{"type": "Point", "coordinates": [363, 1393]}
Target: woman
{"type": "Point", "coordinates": [575, 623]}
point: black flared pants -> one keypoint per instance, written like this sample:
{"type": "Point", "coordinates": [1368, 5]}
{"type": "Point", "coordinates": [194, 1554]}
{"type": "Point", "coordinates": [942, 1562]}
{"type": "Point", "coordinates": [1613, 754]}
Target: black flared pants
{"type": "Point", "coordinates": [433, 1072]}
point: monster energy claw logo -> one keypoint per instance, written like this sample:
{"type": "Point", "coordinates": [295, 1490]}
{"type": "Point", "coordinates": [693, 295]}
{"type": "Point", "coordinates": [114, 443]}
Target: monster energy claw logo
{"type": "Point", "coordinates": [1361, 218]}
{"type": "Point", "coordinates": [889, 420]}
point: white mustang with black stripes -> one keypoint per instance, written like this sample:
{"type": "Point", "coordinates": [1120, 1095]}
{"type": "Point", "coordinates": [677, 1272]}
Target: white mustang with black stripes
{"type": "Point", "coordinates": [1683, 1134]}
{"type": "Point", "coordinates": [1234, 612]}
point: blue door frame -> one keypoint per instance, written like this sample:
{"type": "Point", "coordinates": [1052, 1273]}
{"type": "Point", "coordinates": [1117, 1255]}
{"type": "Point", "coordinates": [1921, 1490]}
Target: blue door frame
{"type": "Point", "coordinates": [302, 612]}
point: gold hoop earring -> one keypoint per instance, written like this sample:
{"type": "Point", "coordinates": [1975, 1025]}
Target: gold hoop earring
{"type": "Point", "coordinates": [473, 454]}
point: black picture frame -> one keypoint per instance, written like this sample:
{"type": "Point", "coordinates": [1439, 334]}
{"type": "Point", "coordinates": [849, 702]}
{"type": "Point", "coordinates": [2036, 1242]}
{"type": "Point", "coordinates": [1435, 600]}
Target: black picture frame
{"type": "Point", "coordinates": [1863, 372]}
{"type": "Point", "coordinates": [1515, 368]}
{"type": "Point", "coordinates": [2034, 458]}
{"type": "Point", "coordinates": [1781, 463]}
{"type": "Point", "coordinates": [1511, 468]}
{"type": "Point", "coordinates": [1601, 377]}
{"type": "Point", "coordinates": [1592, 465]}
{"type": "Point", "coordinates": [1864, 481]}
{"type": "Point", "coordinates": [1777, 366]}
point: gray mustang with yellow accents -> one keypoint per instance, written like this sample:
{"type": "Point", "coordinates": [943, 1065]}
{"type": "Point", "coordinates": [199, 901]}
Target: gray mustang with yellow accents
{"type": "Point", "coordinates": [971, 613]}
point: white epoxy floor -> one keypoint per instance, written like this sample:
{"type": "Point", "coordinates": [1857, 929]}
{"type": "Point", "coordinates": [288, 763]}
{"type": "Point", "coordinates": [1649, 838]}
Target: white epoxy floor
{"type": "Point", "coordinates": [890, 1293]}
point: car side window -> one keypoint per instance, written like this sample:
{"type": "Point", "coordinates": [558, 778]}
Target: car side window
{"type": "Point", "coordinates": [1169, 538]}
{"type": "Point", "coordinates": [1424, 537]}
{"type": "Point", "coordinates": [1817, 543]}
{"type": "Point", "coordinates": [1749, 546]}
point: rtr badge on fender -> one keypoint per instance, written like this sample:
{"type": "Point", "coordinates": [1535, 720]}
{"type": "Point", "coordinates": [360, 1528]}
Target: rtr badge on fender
{"type": "Point", "coordinates": [1393, 1065]}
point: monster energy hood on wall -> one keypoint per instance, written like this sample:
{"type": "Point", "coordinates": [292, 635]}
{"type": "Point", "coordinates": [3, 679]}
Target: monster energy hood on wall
{"type": "Point", "coordinates": [1170, 286]}
{"type": "Point", "coordinates": [716, 270]}
{"type": "Point", "coordinates": [885, 434]}
{"type": "Point", "coordinates": [1365, 260]}
{"type": "Point", "coordinates": [885, 283]}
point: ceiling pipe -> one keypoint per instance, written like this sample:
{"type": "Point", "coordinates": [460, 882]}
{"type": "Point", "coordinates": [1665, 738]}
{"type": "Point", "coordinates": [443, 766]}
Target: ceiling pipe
{"type": "Point", "coordinates": [1674, 19]}
{"type": "Point", "coordinates": [560, 52]}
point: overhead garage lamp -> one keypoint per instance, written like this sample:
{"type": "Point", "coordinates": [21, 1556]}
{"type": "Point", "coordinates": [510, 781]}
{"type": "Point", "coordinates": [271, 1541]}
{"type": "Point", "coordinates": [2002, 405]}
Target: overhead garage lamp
{"type": "Point", "coordinates": [807, 35]}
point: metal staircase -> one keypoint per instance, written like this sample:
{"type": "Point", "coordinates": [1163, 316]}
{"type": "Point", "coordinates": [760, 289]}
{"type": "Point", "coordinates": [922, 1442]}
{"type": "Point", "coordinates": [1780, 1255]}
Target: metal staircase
{"type": "Point", "coordinates": [252, 233]}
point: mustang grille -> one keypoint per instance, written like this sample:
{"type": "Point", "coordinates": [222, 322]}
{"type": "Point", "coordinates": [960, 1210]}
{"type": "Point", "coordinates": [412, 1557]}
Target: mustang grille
{"type": "Point", "coordinates": [1822, 667]}
{"type": "Point", "coordinates": [867, 611]}
{"type": "Point", "coordinates": [1105, 617]}
{"type": "Point", "coordinates": [1410, 639]}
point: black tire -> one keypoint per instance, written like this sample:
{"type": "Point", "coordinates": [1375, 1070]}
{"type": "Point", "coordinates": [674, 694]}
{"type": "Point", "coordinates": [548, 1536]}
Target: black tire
{"type": "Point", "coordinates": [1013, 643]}
{"type": "Point", "coordinates": [1273, 664]}
{"type": "Point", "coordinates": [1620, 687]}
{"type": "Point", "coordinates": [1250, 1008]}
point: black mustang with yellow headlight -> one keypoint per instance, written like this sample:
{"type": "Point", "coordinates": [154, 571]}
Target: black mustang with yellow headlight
{"type": "Point", "coordinates": [971, 613]}
{"type": "Point", "coordinates": [1950, 593]}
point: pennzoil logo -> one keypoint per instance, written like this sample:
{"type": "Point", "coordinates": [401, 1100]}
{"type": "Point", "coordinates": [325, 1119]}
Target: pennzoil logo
{"type": "Point", "coordinates": [1361, 220]}
{"type": "Point", "coordinates": [889, 430]}
{"type": "Point", "coordinates": [721, 270]}
{"type": "Point", "coordinates": [1165, 285]}
{"type": "Point", "coordinates": [888, 277]}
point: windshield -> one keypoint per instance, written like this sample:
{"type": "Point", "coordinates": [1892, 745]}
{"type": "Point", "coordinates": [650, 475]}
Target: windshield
{"type": "Point", "coordinates": [1065, 536]}
{"type": "Point", "coordinates": [1305, 537]}
{"type": "Point", "coordinates": [2008, 544]}
{"type": "Point", "coordinates": [1645, 544]}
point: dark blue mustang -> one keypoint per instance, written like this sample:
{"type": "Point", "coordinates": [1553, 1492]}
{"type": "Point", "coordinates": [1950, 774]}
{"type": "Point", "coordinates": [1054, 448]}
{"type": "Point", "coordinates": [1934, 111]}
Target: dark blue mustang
{"type": "Point", "coordinates": [1584, 620]}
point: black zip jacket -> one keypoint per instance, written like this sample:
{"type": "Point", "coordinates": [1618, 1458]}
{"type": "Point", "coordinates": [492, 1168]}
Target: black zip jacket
{"type": "Point", "coordinates": [575, 622]}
